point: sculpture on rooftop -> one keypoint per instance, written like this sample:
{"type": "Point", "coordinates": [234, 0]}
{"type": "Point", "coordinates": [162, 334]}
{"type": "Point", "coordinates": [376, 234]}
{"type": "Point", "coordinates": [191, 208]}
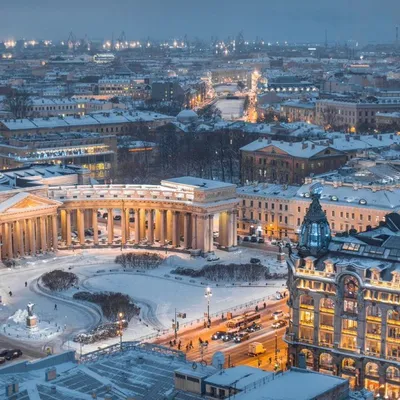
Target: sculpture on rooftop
{"type": "Point", "coordinates": [315, 233]}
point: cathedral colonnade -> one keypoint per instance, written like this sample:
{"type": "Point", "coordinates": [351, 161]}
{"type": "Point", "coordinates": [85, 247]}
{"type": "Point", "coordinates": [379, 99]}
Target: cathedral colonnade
{"type": "Point", "coordinates": [183, 212]}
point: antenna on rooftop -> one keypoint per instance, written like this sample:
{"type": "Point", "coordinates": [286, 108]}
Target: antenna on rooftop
{"type": "Point", "coordinates": [326, 38]}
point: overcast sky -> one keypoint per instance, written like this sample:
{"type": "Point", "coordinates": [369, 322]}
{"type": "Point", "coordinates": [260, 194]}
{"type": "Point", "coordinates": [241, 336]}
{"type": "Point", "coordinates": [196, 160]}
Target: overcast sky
{"type": "Point", "coordinates": [291, 20]}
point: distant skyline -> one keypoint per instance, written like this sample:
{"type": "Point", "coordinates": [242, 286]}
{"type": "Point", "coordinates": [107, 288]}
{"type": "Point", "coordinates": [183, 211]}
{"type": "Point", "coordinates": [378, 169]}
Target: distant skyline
{"type": "Point", "coordinates": [302, 21]}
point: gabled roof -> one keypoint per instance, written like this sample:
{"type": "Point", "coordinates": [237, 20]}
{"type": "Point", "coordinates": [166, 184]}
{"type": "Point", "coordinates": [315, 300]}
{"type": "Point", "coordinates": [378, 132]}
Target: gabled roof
{"type": "Point", "coordinates": [26, 201]}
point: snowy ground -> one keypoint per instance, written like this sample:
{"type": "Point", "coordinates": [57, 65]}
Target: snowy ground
{"type": "Point", "coordinates": [157, 292]}
{"type": "Point", "coordinates": [230, 109]}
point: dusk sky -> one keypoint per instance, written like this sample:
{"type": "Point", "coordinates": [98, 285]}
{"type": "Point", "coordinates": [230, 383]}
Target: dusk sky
{"type": "Point", "coordinates": [292, 20]}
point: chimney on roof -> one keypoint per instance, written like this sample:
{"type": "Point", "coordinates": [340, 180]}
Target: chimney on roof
{"type": "Point", "coordinates": [347, 138]}
{"type": "Point", "coordinates": [260, 139]}
{"type": "Point", "coordinates": [380, 137]}
{"type": "Point", "coordinates": [391, 136]}
{"type": "Point", "coordinates": [269, 141]}
{"type": "Point", "coordinates": [313, 146]}
{"type": "Point", "coordinates": [304, 145]}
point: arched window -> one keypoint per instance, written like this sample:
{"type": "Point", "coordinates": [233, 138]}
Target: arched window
{"type": "Point", "coordinates": [374, 312]}
{"type": "Point", "coordinates": [393, 316]}
{"type": "Point", "coordinates": [350, 287]}
{"type": "Point", "coordinates": [326, 361]}
{"type": "Point", "coordinates": [372, 369]}
{"type": "Point", "coordinates": [309, 358]}
{"type": "Point", "coordinates": [393, 374]}
{"type": "Point", "coordinates": [327, 303]}
{"type": "Point", "coordinates": [348, 364]}
{"type": "Point", "coordinates": [307, 301]}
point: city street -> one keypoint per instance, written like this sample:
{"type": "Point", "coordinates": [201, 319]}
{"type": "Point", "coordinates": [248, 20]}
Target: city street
{"type": "Point", "coordinates": [237, 353]}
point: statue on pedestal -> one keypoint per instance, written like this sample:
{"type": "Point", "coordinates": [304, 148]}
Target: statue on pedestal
{"type": "Point", "coordinates": [31, 319]}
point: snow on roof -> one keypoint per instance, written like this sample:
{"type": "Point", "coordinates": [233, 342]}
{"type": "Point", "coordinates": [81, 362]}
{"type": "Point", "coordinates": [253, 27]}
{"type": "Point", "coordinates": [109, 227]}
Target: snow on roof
{"type": "Point", "coordinates": [305, 149]}
{"type": "Point", "coordinates": [343, 142]}
{"type": "Point", "coordinates": [295, 384]}
{"type": "Point", "coordinates": [361, 197]}
{"type": "Point", "coordinates": [238, 377]}
{"type": "Point", "coordinates": [197, 183]}
{"type": "Point", "coordinates": [264, 189]}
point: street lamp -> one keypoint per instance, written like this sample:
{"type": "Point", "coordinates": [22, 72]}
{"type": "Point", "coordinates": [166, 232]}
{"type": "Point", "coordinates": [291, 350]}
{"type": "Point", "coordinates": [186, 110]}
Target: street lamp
{"type": "Point", "coordinates": [121, 327]}
{"type": "Point", "coordinates": [207, 295]}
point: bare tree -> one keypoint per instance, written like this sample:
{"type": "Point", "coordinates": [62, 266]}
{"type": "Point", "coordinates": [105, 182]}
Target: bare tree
{"type": "Point", "coordinates": [18, 103]}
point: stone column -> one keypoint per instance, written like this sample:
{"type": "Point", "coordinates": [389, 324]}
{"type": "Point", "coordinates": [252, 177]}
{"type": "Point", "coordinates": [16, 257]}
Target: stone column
{"type": "Point", "coordinates": [150, 219]}
{"type": "Point", "coordinates": [43, 236]}
{"type": "Point", "coordinates": [186, 230]}
{"type": "Point", "coordinates": [54, 228]}
{"type": "Point", "coordinates": [211, 232]}
{"type": "Point", "coordinates": [137, 225]}
{"type": "Point", "coordinates": [68, 228]}
{"type": "Point", "coordinates": [230, 229]}
{"type": "Point", "coordinates": [95, 227]}
{"type": "Point", "coordinates": [169, 218]}
{"type": "Point", "coordinates": [157, 231]}
{"type": "Point", "coordinates": [175, 229]}
{"type": "Point", "coordinates": [234, 223]}
{"type": "Point", "coordinates": [162, 227]}
{"type": "Point", "coordinates": [38, 234]}
{"type": "Point", "coordinates": [123, 226]}
{"type": "Point", "coordinates": [80, 220]}
{"type": "Point", "coordinates": [142, 229]}
{"type": "Point", "coordinates": [194, 231]}
{"type": "Point", "coordinates": [31, 235]}
{"type": "Point", "coordinates": [127, 225]}
{"type": "Point", "coordinates": [19, 239]}
{"type": "Point", "coordinates": [7, 240]}
{"type": "Point", "coordinates": [63, 216]}
{"type": "Point", "coordinates": [110, 226]}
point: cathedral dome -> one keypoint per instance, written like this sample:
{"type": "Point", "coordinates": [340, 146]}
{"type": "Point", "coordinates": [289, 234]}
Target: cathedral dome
{"type": "Point", "coordinates": [315, 233]}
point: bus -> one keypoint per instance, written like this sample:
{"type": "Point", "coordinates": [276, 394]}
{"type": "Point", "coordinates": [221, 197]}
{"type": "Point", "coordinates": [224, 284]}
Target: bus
{"type": "Point", "coordinates": [243, 321]}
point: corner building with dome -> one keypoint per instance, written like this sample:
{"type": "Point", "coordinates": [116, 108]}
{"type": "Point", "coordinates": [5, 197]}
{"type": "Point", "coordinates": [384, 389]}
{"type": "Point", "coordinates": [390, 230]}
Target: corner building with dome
{"type": "Point", "coordinates": [345, 302]}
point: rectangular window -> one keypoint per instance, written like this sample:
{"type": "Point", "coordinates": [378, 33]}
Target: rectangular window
{"type": "Point", "coordinates": [286, 207]}
{"type": "Point", "coordinates": [333, 213]}
{"type": "Point", "coordinates": [244, 202]}
{"type": "Point", "coordinates": [341, 214]}
{"type": "Point", "coordinates": [298, 209]}
{"type": "Point", "coordinates": [259, 204]}
{"type": "Point", "coordinates": [266, 217]}
{"type": "Point", "coordinates": [280, 207]}
{"type": "Point", "coordinates": [266, 205]}
{"type": "Point", "coordinates": [273, 206]}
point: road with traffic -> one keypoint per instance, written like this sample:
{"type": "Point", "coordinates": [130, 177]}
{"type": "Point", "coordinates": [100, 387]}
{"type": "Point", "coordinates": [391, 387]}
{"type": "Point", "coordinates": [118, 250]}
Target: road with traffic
{"type": "Point", "coordinates": [237, 353]}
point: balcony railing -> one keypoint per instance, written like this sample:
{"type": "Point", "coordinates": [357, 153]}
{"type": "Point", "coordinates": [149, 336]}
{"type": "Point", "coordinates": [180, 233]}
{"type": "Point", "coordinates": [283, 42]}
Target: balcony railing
{"type": "Point", "coordinates": [385, 284]}
{"type": "Point", "coordinates": [307, 322]}
{"type": "Point", "coordinates": [393, 339]}
{"type": "Point", "coordinates": [370, 335]}
{"type": "Point", "coordinates": [323, 343]}
{"type": "Point", "coordinates": [374, 318]}
{"type": "Point", "coordinates": [306, 340]}
{"type": "Point", "coordinates": [373, 353]}
{"type": "Point", "coordinates": [393, 322]}
{"type": "Point", "coordinates": [326, 327]}
{"type": "Point", "coordinates": [350, 331]}
{"type": "Point", "coordinates": [303, 271]}
{"type": "Point", "coordinates": [327, 310]}
{"type": "Point", "coordinates": [307, 306]}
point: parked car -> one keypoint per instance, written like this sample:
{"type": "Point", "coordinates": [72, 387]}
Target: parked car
{"type": "Point", "coordinates": [3, 353]}
{"type": "Point", "coordinates": [213, 258]}
{"type": "Point", "coordinates": [117, 218]}
{"type": "Point", "coordinates": [218, 335]}
{"type": "Point", "coordinates": [253, 239]}
{"type": "Point", "coordinates": [105, 215]}
{"type": "Point", "coordinates": [241, 337]}
{"type": "Point", "coordinates": [13, 354]}
{"type": "Point", "coordinates": [254, 260]}
{"type": "Point", "coordinates": [2, 360]}
{"type": "Point", "coordinates": [279, 324]}
{"type": "Point", "coordinates": [261, 240]}
{"type": "Point", "coordinates": [246, 239]}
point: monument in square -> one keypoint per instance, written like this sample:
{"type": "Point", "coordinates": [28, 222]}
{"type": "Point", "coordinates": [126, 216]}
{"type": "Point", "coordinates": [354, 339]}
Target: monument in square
{"type": "Point", "coordinates": [31, 319]}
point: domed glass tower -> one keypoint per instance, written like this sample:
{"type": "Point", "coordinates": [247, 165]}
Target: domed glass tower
{"type": "Point", "coordinates": [315, 233]}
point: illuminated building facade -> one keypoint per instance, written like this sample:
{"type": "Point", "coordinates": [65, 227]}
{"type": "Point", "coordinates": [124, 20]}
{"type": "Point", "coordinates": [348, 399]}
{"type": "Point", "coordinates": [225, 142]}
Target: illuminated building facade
{"type": "Point", "coordinates": [43, 214]}
{"type": "Point", "coordinates": [90, 150]}
{"type": "Point", "coordinates": [344, 302]}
